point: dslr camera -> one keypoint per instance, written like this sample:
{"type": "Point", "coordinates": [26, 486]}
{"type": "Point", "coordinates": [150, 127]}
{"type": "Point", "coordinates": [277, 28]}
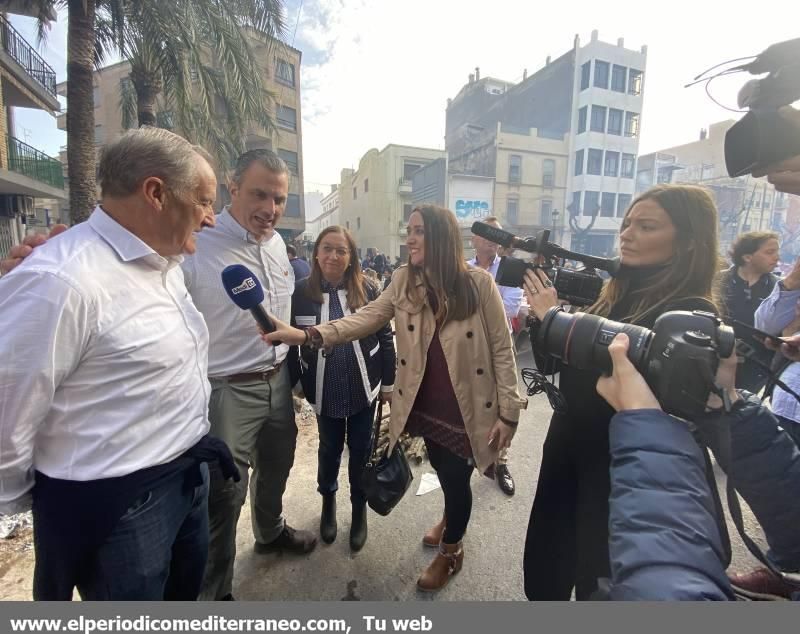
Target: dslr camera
{"type": "Point", "coordinates": [678, 358]}
{"type": "Point", "coordinates": [579, 288]}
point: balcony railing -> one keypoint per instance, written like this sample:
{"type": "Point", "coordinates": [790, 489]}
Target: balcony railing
{"type": "Point", "coordinates": [22, 52]}
{"type": "Point", "coordinates": [27, 160]}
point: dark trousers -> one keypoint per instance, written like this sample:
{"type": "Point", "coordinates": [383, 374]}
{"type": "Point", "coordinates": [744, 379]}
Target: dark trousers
{"type": "Point", "coordinates": [454, 473]}
{"type": "Point", "coordinates": [332, 434]}
{"type": "Point", "coordinates": [567, 541]}
{"type": "Point", "coordinates": [156, 551]}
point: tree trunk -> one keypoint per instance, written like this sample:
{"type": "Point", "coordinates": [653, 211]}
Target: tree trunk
{"type": "Point", "coordinates": [148, 85]}
{"type": "Point", "coordinates": [80, 109]}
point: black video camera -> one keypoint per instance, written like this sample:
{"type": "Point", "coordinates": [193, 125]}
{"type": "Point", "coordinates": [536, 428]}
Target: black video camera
{"type": "Point", "coordinates": [678, 358]}
{"type": "Point", "coordinates": [763, 136]}
{"type": "Point", "coordinates": [579, 288]}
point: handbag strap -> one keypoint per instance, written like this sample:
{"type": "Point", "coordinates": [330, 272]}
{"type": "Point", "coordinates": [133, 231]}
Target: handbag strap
{"type": "Point", "coordinates": [375, 434]}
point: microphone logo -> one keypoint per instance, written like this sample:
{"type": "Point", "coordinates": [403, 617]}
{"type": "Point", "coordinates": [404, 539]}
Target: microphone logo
{"type": "Point", "coordinates": [247, 285]}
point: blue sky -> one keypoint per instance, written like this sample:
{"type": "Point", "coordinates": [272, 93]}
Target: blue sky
{"type": "Point", "coordinates": [375, 73]}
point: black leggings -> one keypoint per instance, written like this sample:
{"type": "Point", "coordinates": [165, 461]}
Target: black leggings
{"type": "Point", "coordinates": [454, 474]}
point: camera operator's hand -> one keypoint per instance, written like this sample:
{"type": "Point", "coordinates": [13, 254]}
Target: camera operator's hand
{"type": "Point", "coordinates": [786, 174]}
{"type": "Point", "coordinates": [726, 380]}
{"type": "Point", "coordinates": [21, 251]}
{"type": "Point", "coordinates": [625, 389]}
{"type": "Point", "coordinates": [539, 292]}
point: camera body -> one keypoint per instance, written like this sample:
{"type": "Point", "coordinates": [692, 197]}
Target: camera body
{"type": "Point", "coordinates": [579, 288]}
{"type": "Point", "coordinates": [678, 358]}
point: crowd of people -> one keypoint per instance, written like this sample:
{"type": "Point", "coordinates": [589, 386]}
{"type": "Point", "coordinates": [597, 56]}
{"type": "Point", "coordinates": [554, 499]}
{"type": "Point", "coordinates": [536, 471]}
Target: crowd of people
{"type": "Point", "coordinates": [145, 400]}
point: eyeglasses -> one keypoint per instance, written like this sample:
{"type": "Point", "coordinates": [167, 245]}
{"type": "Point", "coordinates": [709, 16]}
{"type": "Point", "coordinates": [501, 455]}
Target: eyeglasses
{"type": "Point", "coordinates": [342, 253]}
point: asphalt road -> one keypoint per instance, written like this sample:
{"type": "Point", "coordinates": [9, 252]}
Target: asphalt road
{"type": "Point", "coordinates": [393, 557]}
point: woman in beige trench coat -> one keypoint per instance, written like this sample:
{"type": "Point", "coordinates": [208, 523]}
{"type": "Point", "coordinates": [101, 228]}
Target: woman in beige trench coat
{"type": "Point", "coordinates": [456, 382]}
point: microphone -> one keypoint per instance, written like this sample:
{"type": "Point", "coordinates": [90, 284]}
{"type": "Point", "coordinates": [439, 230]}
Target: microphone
{"type": "Point", "coordinates": [498, 236]}
{"type": "Point", "coordinates": [244, 289]}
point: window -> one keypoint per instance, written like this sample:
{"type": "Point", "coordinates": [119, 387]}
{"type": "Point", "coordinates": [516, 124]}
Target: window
{"type": "Point", "coordinates": [290, 158]}
{"type": "Point", "coordinates": [366, 185]}
{"type": "Point", "coordinates": [578, 162]}
{"type": "Point", "coordinates": [664, 175]}
{"type": "Point", "coordinates": [358, 223]}
{"type": "Point", "coordinates": [618, 74]}
{"type": "Point", "coordinates": [635, 82]}
{"type": "Point", "coordinates": [586, 71]}
{"type": "Point", "coordinates": [608, 205]}
{"type": "Point", "coordinates": [631, 124]}
{"type": "Point", "coordinates": [591, 203]}
{"type": "Point", "coordinates": [347, 225]}
{"type": "Point", "coordinates": [292, 206]}
{"type": "Point", "coordinates": [611, 167]}
{"type": "Point", "coordinates": [98, 135]}
{"type": "Point", "coordinates": [598, 119]}
{"type": "Point", "coordinates": [628, 165]}
{"type": "Point", "coordinates": [546, 217]}
{"type": "Point", "coordinates": [284, 72]}
{"type": "Point", "coordinates": [615, 121]}
{"type": "Point", "coordinates": [409, 169]}
{"type": "Point", "coordinates": [287, 117]}
{"type": "Point", "coordinates": [514, 168]}
{"type": "Point", "coordinates": [574, 207]}
{"type": "Point", "coordinates": [594, 164]}
{"type": "Point", "coordinates": [355, 193]}
{"type": "Point", "coordinates": [96, 96]}
{"type": "Point", "coordinates": [600, 74]}
{"type": "Point", "coordinates": [407, 209]}
{"type": "Point", "coordinates": [548, 173]}
{"type": "Point", "coordinates": [623, 202]}
{"type": "Point", "coordinates": [512, 211]}
{"type": "Point", "coordinates": [582, 119]}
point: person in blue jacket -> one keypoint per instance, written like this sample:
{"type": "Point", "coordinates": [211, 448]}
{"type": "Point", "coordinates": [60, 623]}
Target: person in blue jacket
{"type": "Point", "coordinates": [342, 383]}
{"type": "Point", "coordinates": [664, 538]}
{"type": "Point", "coordinates": [664, 543]}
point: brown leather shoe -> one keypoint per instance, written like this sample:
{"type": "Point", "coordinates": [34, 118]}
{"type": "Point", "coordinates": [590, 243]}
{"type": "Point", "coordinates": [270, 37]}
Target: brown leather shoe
{"type": "Point", "coordinates": [448, 562]}
{"type": "Point", "coordinates": [762, 585]}
{"type": "Point", "coordinates": [290, 540]}
{"type": "Point", "coordinates": [434, 535]}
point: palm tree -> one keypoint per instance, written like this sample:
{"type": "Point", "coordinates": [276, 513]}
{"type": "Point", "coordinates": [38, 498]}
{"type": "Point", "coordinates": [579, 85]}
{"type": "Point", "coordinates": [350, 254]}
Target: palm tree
{"type": "Point", "coordinates": [197, 57]}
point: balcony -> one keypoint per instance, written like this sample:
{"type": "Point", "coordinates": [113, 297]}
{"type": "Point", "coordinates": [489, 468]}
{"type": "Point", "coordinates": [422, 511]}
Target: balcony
{"type": "Point", "coordinates": [28, 67]}
{"type": "Point", "coordinates": [404, 186]}
{"type": "Point", "coordinates": [27, 171]}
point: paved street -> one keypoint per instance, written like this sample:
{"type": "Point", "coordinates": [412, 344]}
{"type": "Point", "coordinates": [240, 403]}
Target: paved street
{"type": "Point", "coordinates": [388, 566]}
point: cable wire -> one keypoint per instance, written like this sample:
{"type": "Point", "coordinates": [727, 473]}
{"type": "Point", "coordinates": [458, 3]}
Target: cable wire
{"type": "Point", "coordinates": [537, 382]}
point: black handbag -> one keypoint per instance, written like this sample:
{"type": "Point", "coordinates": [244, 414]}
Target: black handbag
{"type": "Point", "coordinates": [385, 478]}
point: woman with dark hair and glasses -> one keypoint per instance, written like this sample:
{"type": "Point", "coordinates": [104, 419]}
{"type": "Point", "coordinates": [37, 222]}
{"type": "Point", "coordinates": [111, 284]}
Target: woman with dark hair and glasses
{"type": "Point", "coordinates": [456, 381]}
{"type": "Point", "coordinates": [344, 382]}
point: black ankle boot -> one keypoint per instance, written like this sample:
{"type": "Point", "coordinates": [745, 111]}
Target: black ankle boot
{"type": "Point", "coordinates": [358, 527]}
{"type": "Point", "coordinates": [327, 523]}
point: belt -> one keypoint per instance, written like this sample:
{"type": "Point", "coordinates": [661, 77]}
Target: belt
{"type": "Point", "coordinates": [266, 375]}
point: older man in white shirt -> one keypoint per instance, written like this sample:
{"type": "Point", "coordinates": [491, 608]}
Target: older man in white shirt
{"type": "Point", "coordinates": [251, 406]}
{"type": "Point", "coordinates": [103, 396]}
{"type": "Point", "coordinates": [487, 258]}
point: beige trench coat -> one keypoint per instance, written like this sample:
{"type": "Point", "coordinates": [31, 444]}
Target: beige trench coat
{"type": "Point", "coordinates": [479, 353]}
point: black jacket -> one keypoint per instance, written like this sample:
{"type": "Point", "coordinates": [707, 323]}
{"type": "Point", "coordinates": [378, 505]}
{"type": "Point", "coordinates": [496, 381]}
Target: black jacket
{"type": "Point", "coordinates": [375, 353]}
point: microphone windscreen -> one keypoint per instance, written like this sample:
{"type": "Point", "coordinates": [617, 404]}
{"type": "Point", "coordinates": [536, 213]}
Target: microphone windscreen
{"type": "Point", "coordinates": [242, 286]}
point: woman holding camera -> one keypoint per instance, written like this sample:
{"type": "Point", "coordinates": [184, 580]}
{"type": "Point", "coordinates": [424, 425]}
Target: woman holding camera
{"type": "Point", "coordinates": [343, 384]}
{"type": "Point", "coordinates": [668, 248]}
{"type": "Point", "coordinates": [456, 381]}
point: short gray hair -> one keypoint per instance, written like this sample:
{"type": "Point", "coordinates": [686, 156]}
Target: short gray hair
{"type": "Point", "coordinates": [265, 158]}
{"type": "Point", "coordinates": [147, 152]}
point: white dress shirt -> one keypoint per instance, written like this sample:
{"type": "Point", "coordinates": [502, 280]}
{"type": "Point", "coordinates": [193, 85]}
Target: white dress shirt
{"type": "Point", "coordinates": [512, 295]}
{"type": "Point", "coordinates": [235, 344]}
{"type": "Point", "coordinates": [104, 361]}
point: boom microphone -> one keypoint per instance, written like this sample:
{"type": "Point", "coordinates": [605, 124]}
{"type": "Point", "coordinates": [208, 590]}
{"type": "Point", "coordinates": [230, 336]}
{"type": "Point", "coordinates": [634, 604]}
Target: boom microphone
{"type": "Point", "coordinates": [244, 289]}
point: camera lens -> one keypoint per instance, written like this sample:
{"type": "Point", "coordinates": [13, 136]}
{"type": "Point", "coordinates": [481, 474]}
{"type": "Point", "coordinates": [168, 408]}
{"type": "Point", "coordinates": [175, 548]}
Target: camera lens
{"type": "Point", "coordinates": [582, 340]}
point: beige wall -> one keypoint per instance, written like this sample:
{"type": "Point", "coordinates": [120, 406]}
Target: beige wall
{"type": "Point", "coordinates": [375, 215]}
{"type": "Point", "coordinates": [530, 191]}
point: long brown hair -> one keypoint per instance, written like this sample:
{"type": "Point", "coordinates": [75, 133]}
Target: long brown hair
{"type": "Point", "coordinates": [695, 260]}
{"type": "Point", "coordinates": [444, 273]}
{"type": "Point", "coordinates": [353, 277]}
